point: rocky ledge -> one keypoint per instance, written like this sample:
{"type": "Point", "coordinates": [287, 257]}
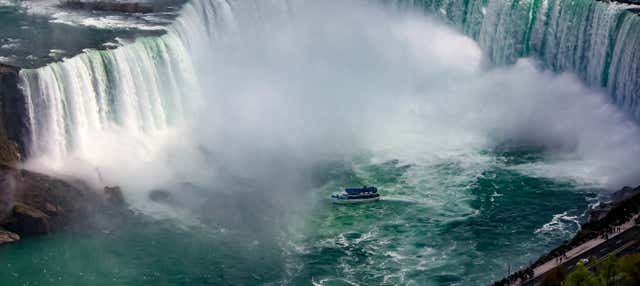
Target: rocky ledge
{"type": "Point", "coordinates": [11, 113]}
{"type": "Point", "coordinates": [600, 210]}
{"type": "Point", "coordinates": [37, 204]}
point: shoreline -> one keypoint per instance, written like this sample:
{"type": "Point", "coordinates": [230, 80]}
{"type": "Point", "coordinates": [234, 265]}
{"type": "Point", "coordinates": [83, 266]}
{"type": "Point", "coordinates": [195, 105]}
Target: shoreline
{"type": "Point", "coordinates": [622, 216]}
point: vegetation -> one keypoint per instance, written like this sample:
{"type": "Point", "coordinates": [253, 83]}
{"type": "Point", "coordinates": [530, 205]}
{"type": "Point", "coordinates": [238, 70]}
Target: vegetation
{"type": "Point", "coordinates": [554, 277]}
{"type": "Point", "coordinates": [8, 150]}
{"type": "Point", "coordinates": [623, 271]}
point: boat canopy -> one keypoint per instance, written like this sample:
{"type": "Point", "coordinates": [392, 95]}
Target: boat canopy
{"type": "Point", "coordinates": [354, 191]}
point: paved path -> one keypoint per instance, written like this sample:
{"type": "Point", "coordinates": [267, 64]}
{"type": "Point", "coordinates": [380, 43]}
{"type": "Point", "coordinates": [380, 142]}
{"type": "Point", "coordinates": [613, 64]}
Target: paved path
{"type": "Point", "coordinates": [578, 252]}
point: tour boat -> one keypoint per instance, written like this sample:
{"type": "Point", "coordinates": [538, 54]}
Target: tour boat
{"type": "Point", "coordinates": [356, 195]}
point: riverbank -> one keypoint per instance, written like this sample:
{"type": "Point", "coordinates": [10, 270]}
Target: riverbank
{"type": "Point", "coordinates": [621, 217]}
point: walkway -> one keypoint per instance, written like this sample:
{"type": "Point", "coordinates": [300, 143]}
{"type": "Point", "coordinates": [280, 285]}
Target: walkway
{"type": "Point", "coordinates": [577, 251]}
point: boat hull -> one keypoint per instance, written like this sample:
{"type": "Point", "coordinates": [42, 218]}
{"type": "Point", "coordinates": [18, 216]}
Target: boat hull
{"type": "Point", "coordinates": [354, 201]}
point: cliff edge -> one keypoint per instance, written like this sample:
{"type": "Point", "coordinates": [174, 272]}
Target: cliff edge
{"type": "Point", "coordinates": [12, 110]}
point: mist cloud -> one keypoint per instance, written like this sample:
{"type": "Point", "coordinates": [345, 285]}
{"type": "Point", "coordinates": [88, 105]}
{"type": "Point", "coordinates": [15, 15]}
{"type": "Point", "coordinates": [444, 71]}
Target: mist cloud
{"type": "Point", "coordinates": [285, 86]}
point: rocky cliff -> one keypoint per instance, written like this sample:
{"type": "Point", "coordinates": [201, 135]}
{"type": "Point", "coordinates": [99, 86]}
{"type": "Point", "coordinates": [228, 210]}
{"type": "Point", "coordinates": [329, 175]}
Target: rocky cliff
{"type": "Point", "coordinates": [36, 204]}
{"type": "Point", "coordinates": [12, 112]}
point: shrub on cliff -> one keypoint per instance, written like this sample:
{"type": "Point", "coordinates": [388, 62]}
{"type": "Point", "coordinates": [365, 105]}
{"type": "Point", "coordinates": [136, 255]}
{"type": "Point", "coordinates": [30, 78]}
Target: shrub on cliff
{"type": "Point", "coordinates": [554, 277]}
{"type": "Point", "coordinates": [581, 276]}
{"type": "Point", "coordinates": [623, 271]}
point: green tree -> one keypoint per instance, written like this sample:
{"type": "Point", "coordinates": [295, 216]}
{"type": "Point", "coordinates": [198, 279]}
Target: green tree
{"type": "Point", "coordinates": [608, 271]}
{"type": "Point", "coordinates": [581, 276]}
{"type": "Point", "coordinates": [629, 266]}
{"type": "Point", "coordinates": [554, 277]}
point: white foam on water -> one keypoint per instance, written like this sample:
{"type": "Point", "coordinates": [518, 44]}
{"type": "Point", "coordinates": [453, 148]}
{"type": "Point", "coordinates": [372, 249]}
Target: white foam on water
{"type": "Point", "coordinates": [203, 102]}
{"type": "Point", "coordinates": [124, 21]}
{"type": "Point", "coordinates": [559, 223]}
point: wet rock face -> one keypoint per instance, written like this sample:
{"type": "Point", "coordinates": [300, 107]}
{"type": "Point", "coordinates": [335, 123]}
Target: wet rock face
{"type": "Point", "coordinates": [601, 210]}
{"type": "Point", "coordinates": [35, 204]}
{"type": "Point", "coordinates": [27, 221]}
{"type": "Point", "coordinates": [12, 113]}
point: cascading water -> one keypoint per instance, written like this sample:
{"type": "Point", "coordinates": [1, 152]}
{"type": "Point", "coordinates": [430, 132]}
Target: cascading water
{"type": "Point", "coordinates": [592, 39]}
{"type": "Point", "coordinates": [139, 88]}
{"type": "Point", "coordinates": [586, 37]}
{"type": "Point", "coordinates": [250, 113]}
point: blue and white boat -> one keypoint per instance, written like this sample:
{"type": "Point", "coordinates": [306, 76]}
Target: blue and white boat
{"type": "Point", "coordinates": [356, 195]}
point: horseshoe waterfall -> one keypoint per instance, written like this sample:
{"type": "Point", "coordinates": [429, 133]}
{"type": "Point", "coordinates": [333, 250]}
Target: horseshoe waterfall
{"type": "Point", "coordinates": [202, 142]}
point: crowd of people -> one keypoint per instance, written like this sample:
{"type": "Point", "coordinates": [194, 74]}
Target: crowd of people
{"type": "Point", "coordinates": [604, 234]}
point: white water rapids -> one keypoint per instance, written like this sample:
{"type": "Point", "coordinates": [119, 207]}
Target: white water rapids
{"type": "Point", "coordinates": [238, 88]}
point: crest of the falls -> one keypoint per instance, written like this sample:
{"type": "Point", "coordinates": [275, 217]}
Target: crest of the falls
{"type": "Point", "coordinates": [135, 90]}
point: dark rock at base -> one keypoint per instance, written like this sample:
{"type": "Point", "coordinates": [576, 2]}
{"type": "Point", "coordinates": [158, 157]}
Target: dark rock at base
{"type": "Point", "coordinates": [114, 196]}
{"type": "Point", "coordinates": [34, 204]}
{"type": "Point", "coordinates": [7, 236]}
{"type": "Point", "coordinates": [601, 210]}
{"type": "Point", "coordinates": [624, 194]}
{"type": "Point", "coordinates": [160, 196]}
{"type": "Point", "coordinates": [27, 221]}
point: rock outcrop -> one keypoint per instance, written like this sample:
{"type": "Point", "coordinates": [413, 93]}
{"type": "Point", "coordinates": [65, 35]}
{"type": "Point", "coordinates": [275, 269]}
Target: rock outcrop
{"type": "Point", "coordinates": [7, 236]}
{"type": "Point", "coordinates": [12, 110]}
{"type": "Point", "coordinates": [114, 196]}
{"type": "Point", "coordinates": [37, 204]}
{"type": "Point", "coordinates": [601, 210]}
{"type": "Point", "coordinates": [160, 196]}
{"type": "Point", "coordinates": [27, 220]}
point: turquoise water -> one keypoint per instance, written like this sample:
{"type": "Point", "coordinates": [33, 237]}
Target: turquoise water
{"type": "Point", "coordinates": [276, 130]}
{"type": "Point", "coordinates": [436, 225]}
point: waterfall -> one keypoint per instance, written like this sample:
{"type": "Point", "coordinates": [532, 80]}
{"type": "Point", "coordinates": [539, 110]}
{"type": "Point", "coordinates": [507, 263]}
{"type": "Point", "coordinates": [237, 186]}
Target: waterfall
{"type": "Point", "coordinates": [595, 40]}
{"type": "Point", "coordinates": [139, 88]}
{"type": "Point", "coordinates": [150, 84]}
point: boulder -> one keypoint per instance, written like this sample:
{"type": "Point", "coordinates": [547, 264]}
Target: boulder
{"type": "Point", "coordinates": [160, 196]}
{"type": "Point", "coordinates": [53, 209]}
{"type": "Point", "coordinates": [7, 236]}
{"type": "Point", "coordinates": [114, 196]}
{"type": "Point", "coordinates": [27, 220]}
{"type": "Point", "coordinates": [33, 204]}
